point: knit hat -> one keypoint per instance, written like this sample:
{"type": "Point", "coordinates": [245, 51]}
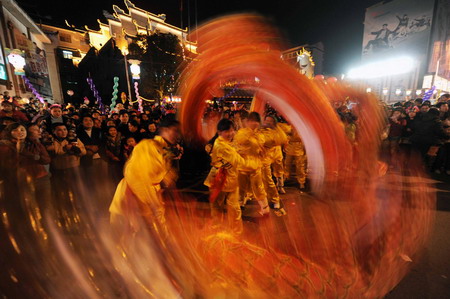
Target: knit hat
{"type": "Point", "coordinates": [55, 106]}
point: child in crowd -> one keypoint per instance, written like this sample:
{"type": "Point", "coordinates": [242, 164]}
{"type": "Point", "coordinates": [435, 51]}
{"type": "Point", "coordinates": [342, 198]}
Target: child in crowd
{"type": "Point", "coordinates": [128, 147]}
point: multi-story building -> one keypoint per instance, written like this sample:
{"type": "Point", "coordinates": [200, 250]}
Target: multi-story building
{"type": "Point", "coordinates": [70, 45]}
{"type": "Point", "coordinates": [19, 31]}
{"type": "Point", "coordinates": [406, 49]}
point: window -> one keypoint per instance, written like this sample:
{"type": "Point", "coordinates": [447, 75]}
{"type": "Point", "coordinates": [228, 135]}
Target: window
{"type": "Point", "coordinates": [65, 38]}
{"type": "Point", "coordinates": [67, 54]}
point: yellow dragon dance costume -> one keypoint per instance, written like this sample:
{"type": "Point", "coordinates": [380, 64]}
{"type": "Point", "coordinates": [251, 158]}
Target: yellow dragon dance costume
{"type": "Point", "coordinates": [250, 145]}
{"type": "Point", "coordinates": [295, 156]}
{"type": "Point", "coordinates": [138, 199]}
{"type": "Point", "coordinates": [274, 139]}
{"type": "Point", "coordinates": [224, 161]}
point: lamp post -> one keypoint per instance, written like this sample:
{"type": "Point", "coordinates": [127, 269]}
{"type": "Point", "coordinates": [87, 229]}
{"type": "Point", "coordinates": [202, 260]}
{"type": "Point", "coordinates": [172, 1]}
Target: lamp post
{"type": "Point", "coordinates": [125, 53]}
{"type": "Point", "coordinates": [135, 74]}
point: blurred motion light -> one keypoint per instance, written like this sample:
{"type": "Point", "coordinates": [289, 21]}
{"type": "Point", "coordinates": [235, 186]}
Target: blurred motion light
{"type": "Point", "coordinates": [418, 92]}
{"type": "Point", "coordinates": [368, 89]}
{"type": "Point", "coordinates": [388, 67]}
{"type": "Point", "coordinates": [408, 92]}
{"type": "Point", "coordinates": [385, 91]}
{"type": "Point", "coordinates": [398, 91]}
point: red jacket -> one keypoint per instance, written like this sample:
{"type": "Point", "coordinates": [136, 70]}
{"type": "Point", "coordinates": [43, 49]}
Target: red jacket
{"type": "Point", "coordinates": [17, 115]}
{"type": "Point", "coordinates": [31, 159]}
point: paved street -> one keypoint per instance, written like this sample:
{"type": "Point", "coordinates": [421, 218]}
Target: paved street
{"type": "Point", "coordinates": [430, 276]}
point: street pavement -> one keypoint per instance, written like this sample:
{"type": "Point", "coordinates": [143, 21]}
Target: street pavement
{"type": "Point", "coordinates": [430, 275]}
{"type": "Point", "coordinates": [428, 278]}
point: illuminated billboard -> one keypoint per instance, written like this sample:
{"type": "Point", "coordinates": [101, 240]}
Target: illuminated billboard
{"type": "Point", "coordinates": [396, 28]}
{"type": "Point", "coordinates": [440, 41]}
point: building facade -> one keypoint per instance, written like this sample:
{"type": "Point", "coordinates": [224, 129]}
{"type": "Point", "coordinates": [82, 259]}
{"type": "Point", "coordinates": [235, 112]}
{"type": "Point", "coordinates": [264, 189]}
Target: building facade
{"type": "Point", "coordinates": [70, 45]}
{"type": "Point", "coordinates": [18, 31]}
{"type": "Point", "coordinates": [406, 48]}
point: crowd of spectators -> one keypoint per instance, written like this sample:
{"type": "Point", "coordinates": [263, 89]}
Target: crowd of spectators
{"type": "Point", "coordinates": [423, 127]}
{"type": "Point", "coordinates": [52, 144]}
{"type": "Point", "coordinates": [56, 145]}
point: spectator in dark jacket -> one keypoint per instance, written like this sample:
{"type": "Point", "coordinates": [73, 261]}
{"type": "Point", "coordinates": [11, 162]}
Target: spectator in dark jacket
{"type": "Point", "coordinates": [12, 144]}
{"type": "Point", "coordinates": [150, 133]}
{"type": "Point", "coordinates": [113, 153]}
{"type": "Point", "coordinates": [442, 163]}
{"type": "Point", "coordinates": [134, 130]}
{"type": "Point", "coordinates": [443, 110]}
{"type": "Point", "coordinates": [396, 127]}
{"type": "Point", "coordinates": [428, 134]}
{"type": "Point", "coordinates": [35, 159]}
{"type": "Point", "coordinates": [122, 125]}
{"type": "Point", "coordinates": [35, 156]}
{"type": "Point", "coordinates": [5, 121]}
{"type": "Point", "coordinates": [92, 140]}
{"type": "Point", "coordinates": [56, 117]}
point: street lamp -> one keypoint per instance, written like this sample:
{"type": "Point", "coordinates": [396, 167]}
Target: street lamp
{"type": "Point", "coordinates": [125, 53]}
{"type": "Point", "coordinates": [135, 68]}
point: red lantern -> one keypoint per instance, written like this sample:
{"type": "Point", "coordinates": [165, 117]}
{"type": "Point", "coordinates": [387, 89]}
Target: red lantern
{"type": "Point", "coordinates": [319, 77]}
{"type": "Point", "coordinates": [332, 80]}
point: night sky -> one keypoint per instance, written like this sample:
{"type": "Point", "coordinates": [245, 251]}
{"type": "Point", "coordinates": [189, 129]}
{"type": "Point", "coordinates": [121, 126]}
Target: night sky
{"type": "Point", "coordinates": [337, 23]}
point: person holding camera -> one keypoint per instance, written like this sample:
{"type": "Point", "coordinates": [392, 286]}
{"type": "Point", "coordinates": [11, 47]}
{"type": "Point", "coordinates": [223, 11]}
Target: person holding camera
{"type": "Point", "coordinates": [65, 153]}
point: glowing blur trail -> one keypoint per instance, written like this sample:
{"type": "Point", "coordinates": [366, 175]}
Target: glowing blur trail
{"type": "Point", "coordinates": [354, 237]}
{"type": "Point", "coordinates": [365, 225]}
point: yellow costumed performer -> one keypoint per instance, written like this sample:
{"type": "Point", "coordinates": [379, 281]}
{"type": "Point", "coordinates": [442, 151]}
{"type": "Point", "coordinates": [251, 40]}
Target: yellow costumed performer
{"type": "Point", "coordinates": [250, 145]}
{"type": "Point", "coordinates": [295, 156]}
{"type": "Point", "coordinates": [138, 199]}
{"type": "Point", "coordinates": [222, 179]}
{"type": "Point", "coordinates": [274, 139]}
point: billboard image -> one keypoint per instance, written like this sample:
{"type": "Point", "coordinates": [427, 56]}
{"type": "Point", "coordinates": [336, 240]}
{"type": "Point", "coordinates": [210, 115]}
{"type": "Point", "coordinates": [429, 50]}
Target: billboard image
{"type": "Point", "coordinates": [440, 42]}
{"type": "Point", "coordinates": [36, 69]}
{"type": "Point", "coordinates": [400, 27]}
